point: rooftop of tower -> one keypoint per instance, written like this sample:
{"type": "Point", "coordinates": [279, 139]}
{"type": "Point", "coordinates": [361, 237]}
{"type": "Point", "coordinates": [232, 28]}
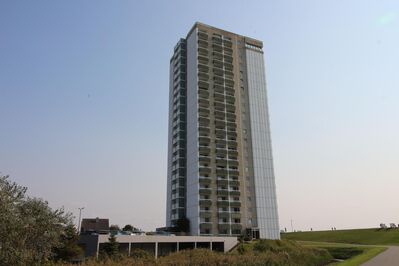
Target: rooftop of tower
{"type": "Point", "coordinates": [247, 39]}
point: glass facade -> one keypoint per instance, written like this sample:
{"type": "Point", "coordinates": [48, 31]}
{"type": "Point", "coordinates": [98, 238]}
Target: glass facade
{"type": "Point", "coordinates": [264, 183]}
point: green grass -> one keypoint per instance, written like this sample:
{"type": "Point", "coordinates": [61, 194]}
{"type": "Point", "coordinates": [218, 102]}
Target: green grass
{"type": "Point", "coordinates": [353, 254]}
{"type": "Point", "coordinates": [354, 236]}
{"type": "Point", "coordinates": [368, 253]}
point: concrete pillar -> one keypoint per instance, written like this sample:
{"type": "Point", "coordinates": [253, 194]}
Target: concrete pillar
{"type": "Point", "coordinates": [195, 245]}
{"type": "Point", "coordinates": [98, 247]}
{"type": "Point", "coordinates": [177, 247]}
{"type": "Point", "coordinates": [156, 250]}
{"type": "Point", "coordinates": [130, 248]}
{"type": "Point", "coordinates": [210, 246]}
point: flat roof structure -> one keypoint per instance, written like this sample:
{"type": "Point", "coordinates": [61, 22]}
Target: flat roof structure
{"type": "Point", "coordinates": [156, 245]}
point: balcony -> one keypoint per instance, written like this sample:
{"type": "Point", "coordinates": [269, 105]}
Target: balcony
{"type": "Point", "coordinates": [220, 124]}
{"type": "Point", "coordinates": [217, 55]}
{"type": "Point", "coordinates": [234, 172]}
{"type": "Point", "coordinates": [219, 105]}
{"type": "Point", "coordinates": [227, 43]}
{"type": "Point", "coordinates": [205, 226]}
{"type": "Point", "coordinates": [218, 97]}
{"type": "Point", "coordinates": [233, 163]}
{"type": "Point", "coordinates": [204, 150]}
{"type": "Point", "coordinates": [204, 141]}
{"type": "Point", "coordinates": [203, 59]}
{"type": "Point", "coordinates": [203, 77]}
{"type": "Point", "coordinates": [202, 36]}
{"type": "Point", "coordinates": [205, 214]}
{"type": "Point", "coordinates": [230, 108]}
{"type": "Point", "coordinates": [216, 39]}
{"type": "Point", "coordinates": [220, 132]}
{"type": "Point", "coordinates": [228, 66]}
{"type": "Point", "coordinates": [236, 227]}
{"type": "Point", "coordinates": [220, 142]}
{"type": "Point", "coordinates": [221, 171]}
{"type": "Point", "coordinates": [234, 183]}
{"type": "Point", "coordinates": [222, 192]}
{"type": "Point", "coordinates": [223, 215]}
{"type": "Point", "coordinates": [220, 114]}
{"type": "Point", "coordinates": [205, 191]}
{"type": "Point", "coordinates": [218, 88]}
{"type": "Point", "coordinates": [230, 90]}
{"type": "Point", "coordinates": [228, 73]}
{"type": "Point", "coordinates": [230, 99]}
{"type": "Point", "coordinates": [203, 121]}
{"type": "Point", "coordinates": [204, 131]}
{"type": "Point", "coordinates": [232, 126]}
{"type": "Point", "coordinates": [205, 180]}
{"type": "Point", "coordinates": [204, 85]}
{"type": "Point", "coordinates": [205, 202]}
{"type": "Point", "coordinates": [230, 115]}
{"type": "Point", "coordinates": [222, 182]}
{"type": "Point", "coordinates": [202, 51]}
{"type": "Point", "coordinates": [203, 103]}
{"type": "Point", "coordinates": [229, 82]}
{"type": "Point", "coordinates": [235, 215]}
{"type": "Point", "coordinates": [218, 80]}
{"type": "Point", "coordinates": [231, 134]}
{"type": "Point", "coordinates": [234, 193]}
{"type": "Point", "coordinates": [231, 129]}
{"type": "Point", "coordinates": [203, 94]}
{"type": "Point", "coordinates": [203, 68]}
{"type": "Point", "coordinates": [235, 204]}
{"type": "Point", "coordinates": [223, 203]}
{"type": "Point", "coordinates": [224, 227]}
{"type": "Point", "coordinates": [218, 64]}
{"type": "Point", "coordinates": [202, 44]}
{"type": "Point", "coordinates": [232, 145]}
{"type": "Point", "coordinates": [203, 112]}
{"type": "Point", "coordinates": [228, 50]}
{"type": "Point", "coordinates": [228, 58]}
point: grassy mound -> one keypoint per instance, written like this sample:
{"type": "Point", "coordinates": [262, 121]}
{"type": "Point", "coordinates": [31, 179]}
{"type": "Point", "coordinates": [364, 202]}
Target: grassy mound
{"type": "Point", "coordinates": [355, 236]}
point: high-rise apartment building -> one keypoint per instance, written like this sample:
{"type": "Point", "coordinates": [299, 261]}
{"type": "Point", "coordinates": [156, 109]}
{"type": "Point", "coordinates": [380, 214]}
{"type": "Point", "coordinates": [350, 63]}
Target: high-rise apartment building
{"type": "Point", "coordinates": [220, 164]}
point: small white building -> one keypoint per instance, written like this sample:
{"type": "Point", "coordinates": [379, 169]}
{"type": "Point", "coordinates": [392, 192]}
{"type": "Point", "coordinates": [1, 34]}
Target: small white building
{"type": "Point", "coordinates": [155, 244]}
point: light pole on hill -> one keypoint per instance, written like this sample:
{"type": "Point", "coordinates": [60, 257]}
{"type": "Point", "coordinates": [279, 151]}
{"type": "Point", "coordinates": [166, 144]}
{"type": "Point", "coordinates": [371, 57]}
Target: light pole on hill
{"type": "Point", "coordinates": [80, 217]}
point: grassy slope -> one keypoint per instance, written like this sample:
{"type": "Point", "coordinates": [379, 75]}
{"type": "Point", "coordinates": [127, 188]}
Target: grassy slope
{"type": "Point", "coordinates": [354, 236]}
{"type": "Point", "coordinates": [368, 254]}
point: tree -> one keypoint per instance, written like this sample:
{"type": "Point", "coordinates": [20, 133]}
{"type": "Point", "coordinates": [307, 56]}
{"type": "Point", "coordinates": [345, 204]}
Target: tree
{"type": "Point", "coordinates": [68, 248]}
{"type": "Point", "coordinates": [114, 227]}
{"type": "Point", "coordinates": [112, 247]}
{"type": "Point", "coordinates": [130, 228]}
{"type": "Point", "coordinates": [29, 228]}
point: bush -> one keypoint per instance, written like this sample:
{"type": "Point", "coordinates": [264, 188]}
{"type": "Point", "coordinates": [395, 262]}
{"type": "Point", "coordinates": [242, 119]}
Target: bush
{"type": "Point", "coordinates": [268, 252]}
{"type": "Point", "coordinates": [30, 231]}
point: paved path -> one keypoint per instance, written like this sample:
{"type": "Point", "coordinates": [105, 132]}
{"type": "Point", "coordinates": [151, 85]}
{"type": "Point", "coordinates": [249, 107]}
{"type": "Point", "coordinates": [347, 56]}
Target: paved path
{"type": "Point", "coordinates": [390, 257]}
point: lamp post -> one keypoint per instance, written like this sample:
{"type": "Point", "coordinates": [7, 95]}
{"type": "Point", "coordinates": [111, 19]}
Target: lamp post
{"type": "Point", "coordinates": [80, 216]}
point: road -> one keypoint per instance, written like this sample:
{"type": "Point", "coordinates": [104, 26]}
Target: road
{"type": "Point", "coordinates": [390, 257]}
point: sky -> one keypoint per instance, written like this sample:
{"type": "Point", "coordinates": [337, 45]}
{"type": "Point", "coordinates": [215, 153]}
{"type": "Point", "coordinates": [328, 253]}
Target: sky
{"type": "Point", "coordinates": [84, 102]}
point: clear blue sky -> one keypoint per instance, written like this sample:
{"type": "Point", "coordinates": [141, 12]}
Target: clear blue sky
{"type": "Point", "coordinates": [84, 94]}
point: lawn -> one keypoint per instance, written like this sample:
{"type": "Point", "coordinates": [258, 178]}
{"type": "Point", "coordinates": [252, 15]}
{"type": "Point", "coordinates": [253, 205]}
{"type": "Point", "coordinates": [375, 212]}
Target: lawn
{"type": "Point", "coordinates": [352, 254]}
{"type": "Point", "coordinates": [355, 236]}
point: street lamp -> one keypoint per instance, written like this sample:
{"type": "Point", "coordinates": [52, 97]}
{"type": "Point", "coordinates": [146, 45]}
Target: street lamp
{"type": "Point", "coordinates": [80, 216]}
